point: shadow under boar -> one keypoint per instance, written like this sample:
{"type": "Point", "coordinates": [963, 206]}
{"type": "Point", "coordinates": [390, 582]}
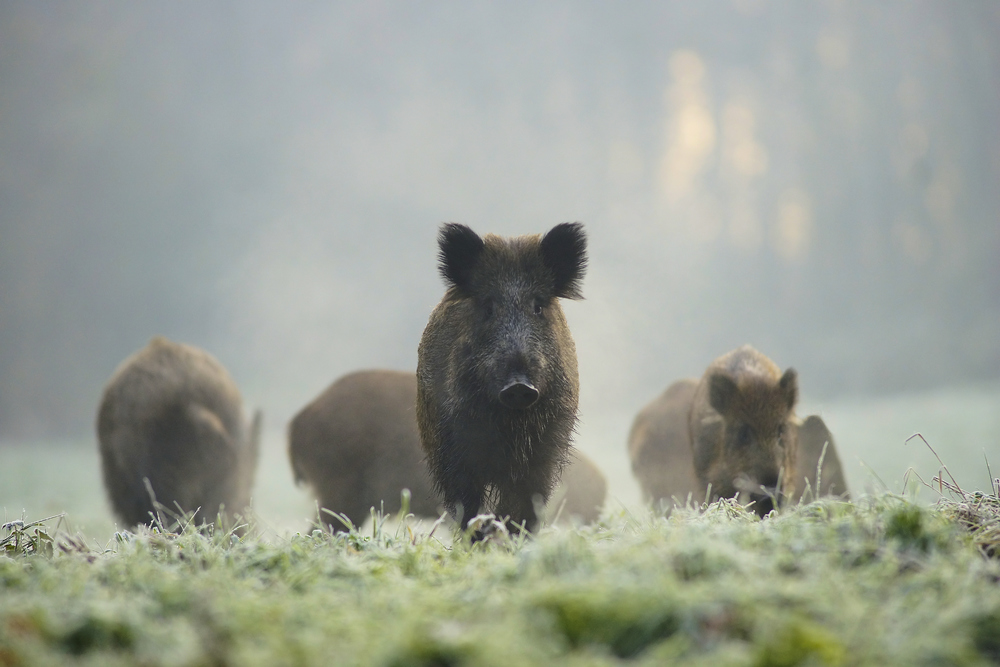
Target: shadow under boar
{"type": "Point", "coordinates": [171, 414]}
{"type": "Point", "coordinates": [740, 432]}
{"type": "Point", "coordinates": [356, 446]}
{"type": "Point", "coordinates": [497, 382]}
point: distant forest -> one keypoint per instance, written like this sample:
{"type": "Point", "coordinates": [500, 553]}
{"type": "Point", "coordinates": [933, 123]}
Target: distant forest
{"type": "Point", "coordinates": [821, 180]}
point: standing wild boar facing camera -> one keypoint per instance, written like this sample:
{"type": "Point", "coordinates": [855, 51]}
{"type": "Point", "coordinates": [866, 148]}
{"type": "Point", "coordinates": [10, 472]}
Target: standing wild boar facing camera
{"type": "Point", "coordinates": [172, 415]}
{"type": "Point", "coordinates": [735, 429]}
{"type": "Point", "coordinates": [497, 383]}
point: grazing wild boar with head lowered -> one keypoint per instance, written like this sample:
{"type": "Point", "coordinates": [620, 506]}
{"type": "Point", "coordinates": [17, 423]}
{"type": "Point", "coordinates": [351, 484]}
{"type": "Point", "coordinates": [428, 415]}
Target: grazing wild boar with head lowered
{"type": "Point", "coordinates": [742, 428]}
{"type": "Point", "coordinates": [738, 425]}
{"type": "Point", "coordinates": [357, 447]}
{"type": "Point", "coordinates": [172, 415]}
{"type": "Point", "coordinates": [497, 383]}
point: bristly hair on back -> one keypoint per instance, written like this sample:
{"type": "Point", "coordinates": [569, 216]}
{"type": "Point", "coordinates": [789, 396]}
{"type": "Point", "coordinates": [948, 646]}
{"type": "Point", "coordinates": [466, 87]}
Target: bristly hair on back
{"type": "Point", "coordinates": [564, 251]}
{"type": "Point", "coordinates": [460, 248]}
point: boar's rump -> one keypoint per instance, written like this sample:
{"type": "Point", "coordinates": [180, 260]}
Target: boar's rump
{"type": "Point", "coordinates": [172, 415]}
{"type": "Point", "coordinates": [356, 446]}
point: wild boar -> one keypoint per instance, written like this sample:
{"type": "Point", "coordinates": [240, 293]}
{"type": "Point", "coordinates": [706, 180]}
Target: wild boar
{"type": "Point", "coordinates": [659, 446]}
{"type": "Point", "coordinates": [812, 436]}
{"type": "Point", "coordinates": [357, 447]}
{"type": "Point", "coordinates": [172, 415]}
{"type": "Point", "coordinates": [740, 433]}
{"type": "Point", "coordinates": [580, 493]}
{"type": "Point", "coordinates": [497, 381]}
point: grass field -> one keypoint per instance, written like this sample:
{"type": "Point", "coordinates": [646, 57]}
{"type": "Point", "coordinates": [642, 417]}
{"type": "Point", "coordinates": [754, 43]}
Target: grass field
{"type": "Point", "coordinates": [889, 579]}
{"type": "Point", "coordinates": [881, 581]}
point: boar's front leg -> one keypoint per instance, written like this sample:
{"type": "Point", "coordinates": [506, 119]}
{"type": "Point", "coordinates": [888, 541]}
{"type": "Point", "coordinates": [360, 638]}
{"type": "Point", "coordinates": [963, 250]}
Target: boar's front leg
{"type": "Point", "coordinates": [464, 498]}
{"type": "Point", "coordinates": [519, 504]}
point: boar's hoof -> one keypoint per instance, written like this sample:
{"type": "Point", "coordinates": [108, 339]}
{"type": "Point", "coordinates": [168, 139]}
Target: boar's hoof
{"type": "Point", "coordinates": [518, 394]}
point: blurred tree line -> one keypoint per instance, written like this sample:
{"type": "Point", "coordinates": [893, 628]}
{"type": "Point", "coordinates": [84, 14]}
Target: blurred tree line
{"type": "Point", "coordinates": [819, 179]}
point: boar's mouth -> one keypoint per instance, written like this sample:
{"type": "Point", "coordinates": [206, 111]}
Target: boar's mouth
{"type": "Point", "coordinates": [518, 394]}
{"type": "Point", "coordinates": [762, 504]}
{"type": "Point", "coordinates": [763, 496]}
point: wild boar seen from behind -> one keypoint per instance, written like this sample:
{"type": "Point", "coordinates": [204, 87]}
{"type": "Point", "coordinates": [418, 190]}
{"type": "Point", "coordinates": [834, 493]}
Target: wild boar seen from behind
{"type": "Point", "coordinates": [356, 446]}
{"type": "Point", "coordinates": [497, 382]}
{"type": "Point", "coordinates": [172, 415]}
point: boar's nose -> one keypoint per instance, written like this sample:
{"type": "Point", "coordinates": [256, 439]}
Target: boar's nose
{"type": "Point", "coordinates": [519, 393]}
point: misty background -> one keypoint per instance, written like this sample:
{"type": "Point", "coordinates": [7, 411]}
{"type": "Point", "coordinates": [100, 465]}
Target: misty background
{"type": "Point", "coordinates": [266, 180]}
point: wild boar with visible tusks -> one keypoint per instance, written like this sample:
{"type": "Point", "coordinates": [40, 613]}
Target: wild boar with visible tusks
{"type": "Point", "coordinates": [735, 430]}
{"type": "Point", "coordinates": [172, 415]}
{"type": "Point", "coordinates": [497, 382]}
{"type": "Point", "coordinates": [357, 447]}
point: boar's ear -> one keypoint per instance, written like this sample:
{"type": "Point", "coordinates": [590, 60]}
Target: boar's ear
{"type": "Point", "coordinates": [789, 386]}
{"type": "Point", "coordinates": [721, 392]}
{"type": "Point", "coordinates": [460, 250]}
{"type": "Point", "coordinates": [564, 251]}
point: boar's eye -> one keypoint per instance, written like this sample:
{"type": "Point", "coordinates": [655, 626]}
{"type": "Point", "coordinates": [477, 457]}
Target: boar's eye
{"type": "Point", "coordinates": [538, 307]}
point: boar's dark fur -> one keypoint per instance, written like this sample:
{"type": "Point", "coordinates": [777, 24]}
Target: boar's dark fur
{"type": "Point", "coordinates": [497, 383]}
{"type": "Point", "coordinates": [172, 415]}
{"type": "Point", "coordinates": [356, 446]}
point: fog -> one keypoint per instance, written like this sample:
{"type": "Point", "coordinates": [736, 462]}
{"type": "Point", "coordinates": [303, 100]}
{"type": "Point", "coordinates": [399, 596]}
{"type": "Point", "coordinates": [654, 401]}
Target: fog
{"type": "Point", "coordinates": [266, 180]}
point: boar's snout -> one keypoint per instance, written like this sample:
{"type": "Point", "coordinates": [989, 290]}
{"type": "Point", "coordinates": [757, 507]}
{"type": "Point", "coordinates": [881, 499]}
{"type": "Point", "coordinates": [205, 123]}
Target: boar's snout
{"type": "Point", "coordinates": [762, 491]}
{"type": "Point", "coordinates": [519, 393]}
{"type": "Point", "coordinates": [762, 504]}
